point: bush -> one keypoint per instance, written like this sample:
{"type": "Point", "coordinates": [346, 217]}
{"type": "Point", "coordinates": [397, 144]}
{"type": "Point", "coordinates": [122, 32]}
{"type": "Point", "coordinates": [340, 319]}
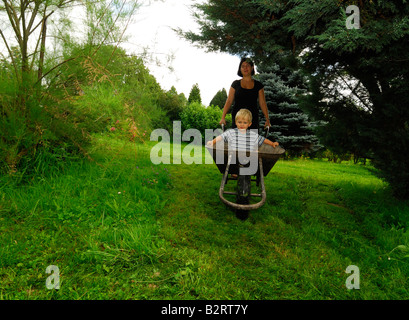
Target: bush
{"type": "Point", "coordinates": [197, 116]}
{"type": "Point", "coordinates": [172, 103]}
{"type": "Point", "coordinates": [42, 132]}
{"type": "Point", "coordinates": [57, 121]}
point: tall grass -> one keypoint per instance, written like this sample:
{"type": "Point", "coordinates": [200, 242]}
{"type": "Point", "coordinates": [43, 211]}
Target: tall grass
{"type": "Point", "coordinates": [90, 220]}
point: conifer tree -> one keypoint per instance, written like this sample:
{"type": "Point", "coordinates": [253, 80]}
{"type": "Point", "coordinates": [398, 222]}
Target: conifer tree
{"type": "Point", "coordinates": [290, 125]}
{"type": "Point", "coordinates": [219, 99]}
{"type": "Point", "coordinates": [194, 94]}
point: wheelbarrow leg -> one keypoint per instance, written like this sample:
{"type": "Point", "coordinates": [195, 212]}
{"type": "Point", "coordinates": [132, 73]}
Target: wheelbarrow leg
{"type": "Point", "coordinates": [243, 195]}
{"type": "Point", "coordinates": [258, 178]}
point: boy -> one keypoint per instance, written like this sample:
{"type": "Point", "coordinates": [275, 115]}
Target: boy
{"type": "Point", "coordinates": [240, 138]}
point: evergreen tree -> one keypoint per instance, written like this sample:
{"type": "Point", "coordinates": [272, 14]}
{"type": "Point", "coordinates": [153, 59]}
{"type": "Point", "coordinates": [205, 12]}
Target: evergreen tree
{"type": "Point", "coordinates": [342, 120]}
{"type": "Point", "coordinates": [219, 99]}
{"type": "Point", "coordinates": [173, 103]}
{"type": "Point", "coordinates": [290, 126]}
{"type": "Point", "coordinates": [194, 94]}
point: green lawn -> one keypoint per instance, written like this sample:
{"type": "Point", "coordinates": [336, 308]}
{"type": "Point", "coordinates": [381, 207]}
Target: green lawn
{"type": "Point", "coordinates": [123, 228]}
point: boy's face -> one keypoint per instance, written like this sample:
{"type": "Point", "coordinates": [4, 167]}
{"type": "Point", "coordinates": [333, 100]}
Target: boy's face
{"type": "Point", "coordinates": [242, 123]}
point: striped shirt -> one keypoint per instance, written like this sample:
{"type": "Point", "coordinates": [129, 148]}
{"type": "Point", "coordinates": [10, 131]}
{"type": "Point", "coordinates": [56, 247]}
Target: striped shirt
{"type": "Point", "coordinates": [250, 140]}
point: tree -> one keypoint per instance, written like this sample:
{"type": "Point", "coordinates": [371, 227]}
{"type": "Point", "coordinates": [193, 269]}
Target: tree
{"type": "Point", "coordinates": [194, 94]}
{"type": "Point", "coordinates": [30, 26]}
{"type": "Point", "coordinates": [219, 99]}
{"type": "Point", "coordinates": [290, 125]}
{"type": "Point", "coordinates": [173, 103]}
{"type": "Point", "coordinates": [341, 121]}
{"type": "Point", "coordinates": [33, 68]}
{"type": "Point", "coordinates": [372, 62]}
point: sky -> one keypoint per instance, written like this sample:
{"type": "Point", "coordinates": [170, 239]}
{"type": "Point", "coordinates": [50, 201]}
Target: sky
{"type": "Point", "coordinates": [152, 28]}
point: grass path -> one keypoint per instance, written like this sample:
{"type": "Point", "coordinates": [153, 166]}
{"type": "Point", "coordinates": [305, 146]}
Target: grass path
{"type": "Point", "coordinates": [128, 229]}
{"type": "Point", "coordinates": [319, 218]}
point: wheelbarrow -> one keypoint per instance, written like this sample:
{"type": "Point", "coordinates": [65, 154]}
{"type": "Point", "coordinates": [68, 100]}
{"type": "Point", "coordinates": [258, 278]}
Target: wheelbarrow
{"type": "Point", "coordinates": [228, 162]}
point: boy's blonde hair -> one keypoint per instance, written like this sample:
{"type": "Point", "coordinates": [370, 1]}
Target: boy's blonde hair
{"type": "Point", "coordinates": [244, 113]}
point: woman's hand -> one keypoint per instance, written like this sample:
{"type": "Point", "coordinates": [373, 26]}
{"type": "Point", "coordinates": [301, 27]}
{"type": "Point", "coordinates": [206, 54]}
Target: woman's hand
{"type": "Point", "coordinates": [267, 124]}
{"type": "Point", "coordinates": [222, 121]}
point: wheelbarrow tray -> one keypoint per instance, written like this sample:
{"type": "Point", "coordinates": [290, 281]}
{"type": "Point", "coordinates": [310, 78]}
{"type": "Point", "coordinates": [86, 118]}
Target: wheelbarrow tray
{"type": "Point", "coordinates": [268, 154]}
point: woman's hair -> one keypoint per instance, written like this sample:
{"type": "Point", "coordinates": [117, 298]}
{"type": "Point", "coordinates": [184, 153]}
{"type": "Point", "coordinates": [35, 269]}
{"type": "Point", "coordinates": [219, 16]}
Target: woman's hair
{"type": "Point", "coordinates": [244, 113]}
{"type": "Point", "coordinates": [249, 62]}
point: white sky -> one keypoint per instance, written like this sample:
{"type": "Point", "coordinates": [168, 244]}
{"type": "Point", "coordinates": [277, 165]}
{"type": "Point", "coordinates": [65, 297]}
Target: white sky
{"type": "Point", "coordinates": [152, 27]}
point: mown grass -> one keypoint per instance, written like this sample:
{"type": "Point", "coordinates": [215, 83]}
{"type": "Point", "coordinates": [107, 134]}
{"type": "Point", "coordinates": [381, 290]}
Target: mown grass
{"type": "Point", "coordinates": [128, 229]}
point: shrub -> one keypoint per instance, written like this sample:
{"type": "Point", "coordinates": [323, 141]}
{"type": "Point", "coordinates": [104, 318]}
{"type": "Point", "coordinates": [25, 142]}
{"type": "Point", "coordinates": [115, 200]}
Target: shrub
{"type": "Point", "coordinates": [197, 116]}
{"type": "Point", "coordinates": [57, 120]}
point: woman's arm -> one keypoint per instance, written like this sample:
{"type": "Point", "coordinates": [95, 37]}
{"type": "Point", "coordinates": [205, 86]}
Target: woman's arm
{"type": "Point", "coordinates": [227, 105]}
{"type": "Point", "coordinates": [263, 106]}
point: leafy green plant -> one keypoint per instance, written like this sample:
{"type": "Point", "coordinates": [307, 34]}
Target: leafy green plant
{"type": "Point", "coordinates": [197, 116]}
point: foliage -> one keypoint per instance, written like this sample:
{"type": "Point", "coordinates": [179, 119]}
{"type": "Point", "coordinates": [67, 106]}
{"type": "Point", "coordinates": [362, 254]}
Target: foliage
{"type": "Point", "coordinates": [116, 87]}
{"type": "Point", "coordinates": [40, 110]}
{"type": "Point", "coordinates": [194, 95]}
{"type": "Point", "coordinates": [25, 133]}
{"type": "Point", "coordinates": [370, 62]}
{"type": "Point", "coordinates": [95, 88]}
{"type": "Point", "coordinates": [197, 116]}
{"type": "Point", "coordinates": [91, 95]}
{"type": "Point", "coordinates": [290, 126]}
{"type": "Point", "coordinates": [173, 103]}
{"type": "Point", "coordinates": [219, 99]}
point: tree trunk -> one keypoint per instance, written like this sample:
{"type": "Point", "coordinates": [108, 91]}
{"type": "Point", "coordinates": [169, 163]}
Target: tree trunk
{"type": "Point", "coordinates": [42, 49]}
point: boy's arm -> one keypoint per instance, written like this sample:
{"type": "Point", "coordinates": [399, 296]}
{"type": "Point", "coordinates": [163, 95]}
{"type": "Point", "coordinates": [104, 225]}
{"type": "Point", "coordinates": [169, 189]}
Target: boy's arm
{"type": "Point", "coordinates": [215, 140]}
{"type": "Point", "coordinates": [270, 143]}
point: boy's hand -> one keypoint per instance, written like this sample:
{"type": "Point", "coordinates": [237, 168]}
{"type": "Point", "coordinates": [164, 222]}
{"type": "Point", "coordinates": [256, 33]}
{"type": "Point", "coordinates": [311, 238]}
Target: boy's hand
{"type": "Point", "coordinates": [209, 143]}
{"type": "Point", "coordinates": [275, 144]}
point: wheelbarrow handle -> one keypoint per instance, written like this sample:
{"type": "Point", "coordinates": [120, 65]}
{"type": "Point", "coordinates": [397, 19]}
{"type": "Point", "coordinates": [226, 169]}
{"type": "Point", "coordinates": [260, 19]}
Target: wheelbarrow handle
{"type": "Point", "coordinates": [267, 129]}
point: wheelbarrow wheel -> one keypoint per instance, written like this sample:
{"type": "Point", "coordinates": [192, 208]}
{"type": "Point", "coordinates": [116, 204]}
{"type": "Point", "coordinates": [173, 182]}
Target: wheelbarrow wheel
{"type": "Point", "coordinates": [243, 195]}
{"type": "Point", "coordinates": [242, 214]}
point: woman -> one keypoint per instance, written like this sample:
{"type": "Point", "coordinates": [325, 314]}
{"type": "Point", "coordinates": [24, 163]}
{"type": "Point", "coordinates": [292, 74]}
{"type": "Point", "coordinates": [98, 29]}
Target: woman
{"type": "Point", "coordinates": [245, 93]}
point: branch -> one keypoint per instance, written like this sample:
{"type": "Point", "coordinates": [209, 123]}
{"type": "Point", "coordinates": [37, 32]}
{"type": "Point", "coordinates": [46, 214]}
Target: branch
{"type": "Point", "coordinates": [119, 41]}
{"type": "Point", "coordinates": [99, 20]}
{"type": "Point", "coordinates": [42, 48]}
{"type": "Point", "coordinates": [44, 18]}
{"type": "Point", "coordinates": [353, 89]}
{"type": "Point", "coordinates": [110, 30]}
{"type": "Point", "coordinates": [33, 16]}
{"type": "Point", "coordinates": [14, 20]}
{"type": "Point", "coordinates": [53, 68]}
{"type": "Point", "coordinates": [10, 53]}
{"type": "Point", "coordinates": [64, 3]}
